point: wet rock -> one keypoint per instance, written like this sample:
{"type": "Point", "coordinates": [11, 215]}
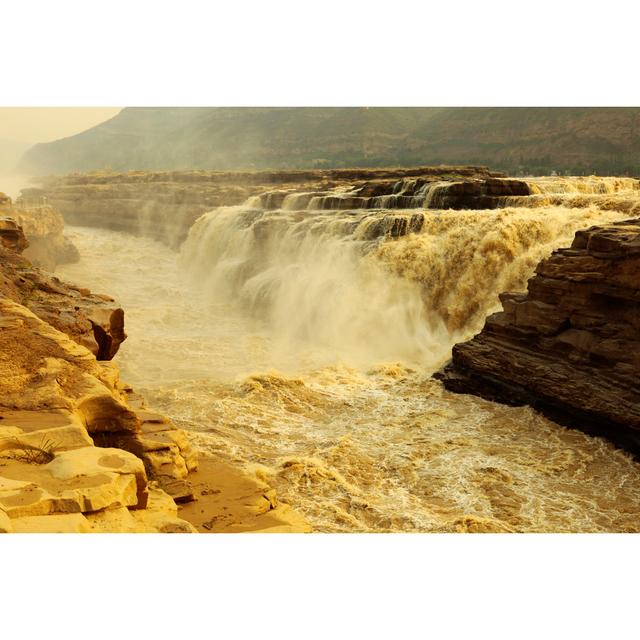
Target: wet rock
{"type": "Point", "coordinates": [393, 226]}
{"type": "Point", "coordinates": [570, 346]}
{"type": "Point", "coordinates": [485, 193]}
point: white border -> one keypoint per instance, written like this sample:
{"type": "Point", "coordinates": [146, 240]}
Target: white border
{"type": "Point", "coordinates": [332, 53]}
{"type": "Point", "coordinates": [338, 52]}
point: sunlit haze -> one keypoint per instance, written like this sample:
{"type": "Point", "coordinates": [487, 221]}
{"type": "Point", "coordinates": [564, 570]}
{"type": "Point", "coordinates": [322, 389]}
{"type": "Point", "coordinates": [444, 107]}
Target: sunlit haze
{"type": "Point", "coordinates": [43, 124]}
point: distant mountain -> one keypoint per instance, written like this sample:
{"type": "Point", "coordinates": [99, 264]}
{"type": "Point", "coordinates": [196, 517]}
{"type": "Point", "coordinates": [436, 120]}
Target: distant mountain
{"type": "Point", "coordinates": [522, 139]}
{"type": "Point", "coordinates": [10, 153]}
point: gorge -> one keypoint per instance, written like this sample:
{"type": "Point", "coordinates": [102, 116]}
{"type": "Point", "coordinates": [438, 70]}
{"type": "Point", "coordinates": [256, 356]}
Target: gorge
{"type": "Point", "coordinates": [291, 324]}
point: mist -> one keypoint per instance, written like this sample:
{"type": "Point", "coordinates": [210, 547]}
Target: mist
{"type": "Point", "coordinates": [12, 184]}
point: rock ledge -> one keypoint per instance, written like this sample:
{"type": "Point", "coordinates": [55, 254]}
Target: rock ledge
{"type": "Point", "coordinates": [570, 345]}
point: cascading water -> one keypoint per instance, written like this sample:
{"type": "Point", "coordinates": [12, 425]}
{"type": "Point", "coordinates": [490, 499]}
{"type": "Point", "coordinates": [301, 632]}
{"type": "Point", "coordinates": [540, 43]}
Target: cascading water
{"type": "Point", "coordinates": [298, 343]}
{"type": "Point", "coordinates": [585, 185]}
{"type": "Point", "coordinates": [610, 194]}
{"type": "Point", "coordinates": [408, 193]}
{"type": "Point", "coordinates": [313, 279]}
{"type": "Point", "coordinates": [333, 279]}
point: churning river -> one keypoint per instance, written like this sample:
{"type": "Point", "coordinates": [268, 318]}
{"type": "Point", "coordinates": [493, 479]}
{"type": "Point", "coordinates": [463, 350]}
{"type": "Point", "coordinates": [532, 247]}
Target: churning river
{"type": "Point", "coordinates": [299, 345]}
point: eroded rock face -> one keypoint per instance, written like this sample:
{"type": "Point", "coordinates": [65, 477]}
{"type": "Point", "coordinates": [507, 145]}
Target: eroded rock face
{"type": "Point", "coordinates": [56, 403]}
{"type": "Point", "coordinates": [48, 246]}
{"type": "Point", "coordinates": [486, 193]}
{"type": "Point", "coordinates": [12, 236]}
{"type": "Point", "coordinates": [570, 346]}
{"type": "Point", "coordinates": [79, 450]}
{"type": "Point", "coordinates": [92, 320]}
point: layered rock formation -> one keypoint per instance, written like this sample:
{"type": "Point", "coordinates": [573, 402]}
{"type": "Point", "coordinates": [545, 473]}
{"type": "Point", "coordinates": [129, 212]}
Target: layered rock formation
{"type": "Point", "coordinates": [48, 246]}
{"type": "Point", "coordinates": [569, 345]}
{"type": "Point", "coordinates": [59, 398]}
{"type": "Point", "coordinates": [94, 321]}
{"type": "Point", "coordinates": [164, 205]}
{"type": "Point", "coordinates": [56, 400]}
{"type": "Point", "coordinates": [43, 226]}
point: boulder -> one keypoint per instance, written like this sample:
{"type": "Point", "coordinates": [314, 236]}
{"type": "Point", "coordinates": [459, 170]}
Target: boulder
{"type": "Point", "coordinates": [95, 461]}
{"type": "Point", "coordinates": [33, 490]}
{"type": "Point", "coordinates": [161, 514]}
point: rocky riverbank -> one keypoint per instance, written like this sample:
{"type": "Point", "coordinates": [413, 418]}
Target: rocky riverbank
{"type": "Point", "coordinates": [79, 449]}
{"type": "Point", "coordinates": [569, 345]}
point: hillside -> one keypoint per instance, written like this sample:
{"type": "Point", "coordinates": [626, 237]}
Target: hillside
{"type": "Point", "coordinates": [518, 140]}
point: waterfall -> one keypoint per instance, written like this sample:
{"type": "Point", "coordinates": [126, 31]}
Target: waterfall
{"type": "Point", "coordinates": [370, 285]}
{"type": "Point", "coordinates": [302, 352]}
{"type": "Point", "coordinates": [315, 278]}
{"type": "Point", "coordinates": [586, 185]}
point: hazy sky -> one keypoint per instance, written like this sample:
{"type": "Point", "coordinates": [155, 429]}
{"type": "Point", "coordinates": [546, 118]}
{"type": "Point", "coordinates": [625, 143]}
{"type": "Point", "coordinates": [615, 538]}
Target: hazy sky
{"type": "Point", "coordinates": [42, 124]}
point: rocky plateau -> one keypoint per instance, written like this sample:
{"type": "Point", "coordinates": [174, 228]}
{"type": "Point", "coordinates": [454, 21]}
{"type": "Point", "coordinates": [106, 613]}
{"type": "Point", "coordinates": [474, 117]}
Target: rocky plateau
{"type": "Point", "coordinates": [164, 205]}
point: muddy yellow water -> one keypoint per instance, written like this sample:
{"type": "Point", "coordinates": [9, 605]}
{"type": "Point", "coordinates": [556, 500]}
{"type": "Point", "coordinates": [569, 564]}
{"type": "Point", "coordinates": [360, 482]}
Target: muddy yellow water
{"type": "Point", "coordinates": [295, 346]}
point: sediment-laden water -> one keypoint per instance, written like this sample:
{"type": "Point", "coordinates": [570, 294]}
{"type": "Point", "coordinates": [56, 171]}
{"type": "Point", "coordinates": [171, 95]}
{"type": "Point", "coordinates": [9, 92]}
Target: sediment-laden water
{"type": "Point", "coordinates": [298, 343]}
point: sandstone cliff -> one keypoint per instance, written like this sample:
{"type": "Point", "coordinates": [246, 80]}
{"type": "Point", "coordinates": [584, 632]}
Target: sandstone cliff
{"type": "Point", "coordinates": [569, 345]}
{"type": "Point", "coordinates": [43, 226]}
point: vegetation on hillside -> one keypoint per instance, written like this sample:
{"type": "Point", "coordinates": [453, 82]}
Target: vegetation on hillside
{"type": "Point", "coordinates": [519, 140]}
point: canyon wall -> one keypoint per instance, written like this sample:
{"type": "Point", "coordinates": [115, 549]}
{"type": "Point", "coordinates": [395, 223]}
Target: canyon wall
{"type": "Point", "coordinates": [164, 205]}
{"type": "Point", "coordinates": [569, 345]}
